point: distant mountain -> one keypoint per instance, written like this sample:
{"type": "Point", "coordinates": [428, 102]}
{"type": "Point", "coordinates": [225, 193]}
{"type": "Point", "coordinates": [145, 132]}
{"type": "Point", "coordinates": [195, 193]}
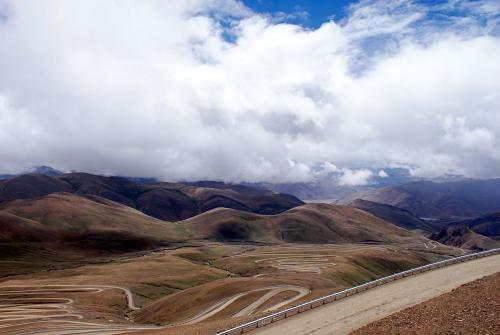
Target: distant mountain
{"type": "Point", "coordinates": [487, 225]}
{"type": "Point", "coordinates": [462, 237]}
{"type": "Point", "coordinates": [143, 180]}
{"type": "Point", "coordinates": [325, 190]}
{"type": "Point", "coordinates": [30, 186]}
{"type": "Point", "coordinates": [310, 223]}
{"type": "Point", "coordinates": [241, 188]}
{"type": "Point", "coordinates": [327, 186]}
{"type": "Point", "coordinates": [399, 217]}
{"type": "Point", "coordinates": [42, 169]}
{"type": "Point", "coordinates": [46, 170]}
{"type": "Point", "coordinates": [456, 200]}
{"type": "Point", "coordinates": [166, 201]}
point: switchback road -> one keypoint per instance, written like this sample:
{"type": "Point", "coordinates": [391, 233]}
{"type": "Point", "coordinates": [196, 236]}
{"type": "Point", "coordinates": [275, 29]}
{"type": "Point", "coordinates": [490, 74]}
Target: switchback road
{"type": "Point", "coordinates": [351, 313]}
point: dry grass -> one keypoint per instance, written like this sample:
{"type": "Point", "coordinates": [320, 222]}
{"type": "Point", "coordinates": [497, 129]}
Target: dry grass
{"type": "Point", "coordinates": [283, 296]}
{"type": "Point", "coordinates": [148, 277]}
{"type": "Point", "coordinates": [311, 223]}
{"type": "Point", "coordinates": [69, 213]}
{"type": "Point", "coordinates": [174, 285]}
{"type": "Point", "coordinates": [354, 264]}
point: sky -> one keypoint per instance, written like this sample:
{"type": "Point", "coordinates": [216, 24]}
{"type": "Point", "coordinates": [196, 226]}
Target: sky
{"type": "Point", "coordinates": [307, 13]}
{"type": "Point", "coordinates": [276, 91]}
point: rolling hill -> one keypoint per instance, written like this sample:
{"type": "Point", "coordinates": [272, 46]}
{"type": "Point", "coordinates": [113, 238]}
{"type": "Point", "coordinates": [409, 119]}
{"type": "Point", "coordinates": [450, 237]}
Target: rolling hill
{"type": "Point", "coordinates": [311, 223]}
{"type": "Point", "coordinates": [30, 186]}
{"type": "Point", "coordinates": [487, 225]}
{"type": "Point", "coordinates": [399, 217]}
{"type": "Point", "coordinates": [447, 200]}
{"type": "Point", "coordinates": [462, 237]}
{"type": "Point", "coordinates": [62, 230]}
{"type": "Point", "coordinates": [165, 201]}
{"type": "Point", "coordinates": [88, 222]}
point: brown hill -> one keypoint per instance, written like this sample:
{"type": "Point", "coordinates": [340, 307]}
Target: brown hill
{"type": "Point", "coordinates": [30, 186]}
{"type": "Point", "coordinates": [399, 217]}
{"type": "Point", "coordinates": [487, 225]}
{"type": "Point", "coordinates": [244, 189]}
{"type": "Point", "coordinates": [17, 229]}
{"type": "Point", "coordinates": [457, 199]}
{"type": "Point", "coordinates": [255, 200]}
{"type": "Point", "coordinates": [177, 201]}
{"type": "Point", "coordinates": [462, 237]}
{"type": "Point", "coordinates": [166, 201]}
{"type": "Point", "coordinates": [117, 189]}
{"type": "Point", "coordinates": [90, 222]}
{"type": "Point", "coordinates": [311, 223]}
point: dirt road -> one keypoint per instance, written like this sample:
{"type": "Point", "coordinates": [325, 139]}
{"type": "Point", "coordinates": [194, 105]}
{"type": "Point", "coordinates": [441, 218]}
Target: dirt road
{"type": "Point", "coordinates": [43, 310]}
{"type": "Point", "coordinates": [273, 290]}
{"type": "Point", "coordinates": [22, 306]}
{"type": "Point", "coordinates": [351, 313]}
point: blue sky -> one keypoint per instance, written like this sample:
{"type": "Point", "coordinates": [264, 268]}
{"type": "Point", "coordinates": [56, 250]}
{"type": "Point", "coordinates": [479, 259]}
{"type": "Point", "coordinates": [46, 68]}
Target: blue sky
{"type": "Point", "coordinates": [318, 11]}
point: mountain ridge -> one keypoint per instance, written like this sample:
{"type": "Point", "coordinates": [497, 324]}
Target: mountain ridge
{"type": "Point", "coordinates": [464, 199]}
{"type": "Point", "coordinates": [162, 200]}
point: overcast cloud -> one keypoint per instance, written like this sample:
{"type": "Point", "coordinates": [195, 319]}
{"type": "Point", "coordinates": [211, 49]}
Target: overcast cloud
{"type": "Point", "coordinates": [192, 89]}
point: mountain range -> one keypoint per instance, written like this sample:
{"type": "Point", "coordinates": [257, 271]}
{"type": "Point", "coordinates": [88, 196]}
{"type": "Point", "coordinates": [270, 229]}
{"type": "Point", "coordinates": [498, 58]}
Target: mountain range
{"type": "Point", "coordinates": [462, 213]}
{"type": "Point", "coordinates": [462, 236]}
{"type": "Point", "coordinates": [456, 200]}
{"type": "Point", "coordinates": [109, 214]}
{"type": "Point", "coordinates": [165, 201]}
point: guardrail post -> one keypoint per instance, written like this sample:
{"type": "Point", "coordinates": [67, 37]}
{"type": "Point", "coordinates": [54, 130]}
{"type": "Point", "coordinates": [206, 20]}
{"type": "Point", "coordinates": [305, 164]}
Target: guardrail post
{"type": "Point", "coordinates": [250, 327]}
{"type": "Point", "coordinates": [317, 303]}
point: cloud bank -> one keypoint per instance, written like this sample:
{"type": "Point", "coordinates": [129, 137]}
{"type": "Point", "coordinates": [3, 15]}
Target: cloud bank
{"type": "Point", "coordinates": [192, 89]}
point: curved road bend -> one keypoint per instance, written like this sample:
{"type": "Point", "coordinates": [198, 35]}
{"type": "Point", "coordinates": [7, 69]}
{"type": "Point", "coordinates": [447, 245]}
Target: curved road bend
{"type": "Point", "coordinates": [273, 290]}
{"type": "Point", "coordinates": [66, 288]}
{"type": "Point", "coordinates": [353, 312]}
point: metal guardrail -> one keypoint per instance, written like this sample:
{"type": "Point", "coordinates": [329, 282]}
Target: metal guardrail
{"type": "Point", "coordinates": [268, 319]}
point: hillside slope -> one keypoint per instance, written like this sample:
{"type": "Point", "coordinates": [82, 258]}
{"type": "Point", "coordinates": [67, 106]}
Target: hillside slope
{"type": "Point", "coordinates": [86, 222]}
{"type": "Point", "coordinates": [487, 225]}
{"type": "Point", "coordinates": [30, 186]}
{"type": "Point", "coordinates": [165, 201]}
{"type": "Point", "coordinates": [462, 237]}
{"type": "Point", "coordinates": [457, 199]}
{"type": "Point", "coordinates": [399, 217]}
{"type": "Point", "coordinates": [311, 223]}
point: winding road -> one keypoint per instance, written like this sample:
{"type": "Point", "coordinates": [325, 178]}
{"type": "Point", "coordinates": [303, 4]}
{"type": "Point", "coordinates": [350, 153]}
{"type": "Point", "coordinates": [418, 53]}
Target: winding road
{"type": "Point", "coordinates": [24, 307]}
{"type": "Point", "coordinates": [250, 309]}
{"type": "Point", "coordinates": [351, 313]}
{"type": "Point", "coordinates": [28, 310]}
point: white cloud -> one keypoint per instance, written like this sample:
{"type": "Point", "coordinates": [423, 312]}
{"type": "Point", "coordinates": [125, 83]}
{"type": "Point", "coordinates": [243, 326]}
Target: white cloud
{"type": "Point", "coordinates": [207, 89]}
{"type": "Point", "coordinates": [355, 177]}
{"type": "Point", "coordinates": [382, 174]}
